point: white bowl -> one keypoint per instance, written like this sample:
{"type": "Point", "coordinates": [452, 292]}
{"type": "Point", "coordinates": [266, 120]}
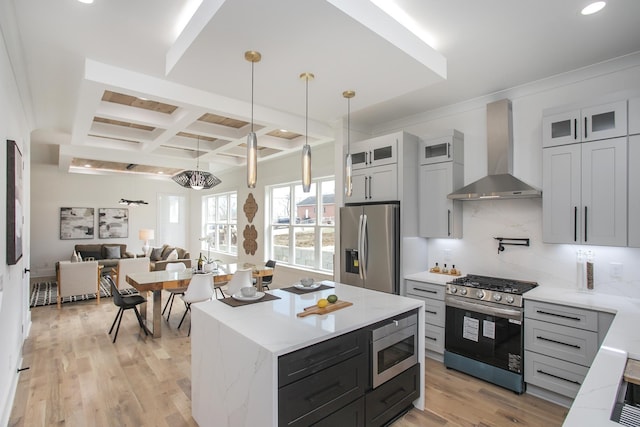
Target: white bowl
{"type": "Point", "coordinates": [248, 291]}
{"type": "Point", "coordinates": [307, 282]}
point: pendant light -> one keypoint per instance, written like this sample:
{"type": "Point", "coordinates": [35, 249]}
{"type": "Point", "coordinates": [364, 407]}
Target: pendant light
{"type": "Point", "coordinates": [306, 150]}
{"type": "Point", "coordinates": [252, 139]}
{"type": "Point", "coordinates": [196, 179]}
{"type": "Point", "coordinates": [348, 177]}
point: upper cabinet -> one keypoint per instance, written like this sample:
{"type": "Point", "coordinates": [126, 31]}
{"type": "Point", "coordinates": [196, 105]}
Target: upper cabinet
{"type": "Point", "coordinates": [441, 172]}
{"type": "Point", "coordinates": [584, 124]}
{"type": "Point", "coordinates": [377, 176]}
{"type": "Point", "coordinates": [634, 116]}
{"type": "Point", "coordinates": [585, 174]}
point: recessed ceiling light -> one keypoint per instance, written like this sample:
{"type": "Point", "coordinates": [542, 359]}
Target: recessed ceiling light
{"type": "Point", "coordinates": [87, 165]}
{"type": "Point", "coordinates": [86, 1]}
{"type": "Point", "coordinates": [593, 8]}
{"type": "Point", "coordinates": [283, 130]}
{"type": "Point", "coordinates": [160, 172]}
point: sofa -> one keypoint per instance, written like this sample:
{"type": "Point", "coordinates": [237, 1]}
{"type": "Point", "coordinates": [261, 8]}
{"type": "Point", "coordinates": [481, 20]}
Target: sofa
{"type": "Point", "coordinates": [107, 254]}
{"type": "Point", "coordinates": [160, 257]}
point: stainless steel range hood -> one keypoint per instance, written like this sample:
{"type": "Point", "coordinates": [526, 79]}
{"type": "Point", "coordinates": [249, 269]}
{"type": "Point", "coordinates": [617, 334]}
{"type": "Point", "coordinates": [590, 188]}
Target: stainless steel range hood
{"type": "Point", "coordinates": [500, 183]}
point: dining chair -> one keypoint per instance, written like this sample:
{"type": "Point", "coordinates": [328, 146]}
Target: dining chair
{"type": "Point", "coordinates": [177, 267]}
{"type": "Point", "coordinates": [127, 266]}
{"type": "Point", "coordinates": [200, 289]}
{"type": "Point", "coordinates": [267, 280]}
{"type": "Point", "coordinates": [125, 302]}
{"type": "Point", "coordinates": [240, 279]}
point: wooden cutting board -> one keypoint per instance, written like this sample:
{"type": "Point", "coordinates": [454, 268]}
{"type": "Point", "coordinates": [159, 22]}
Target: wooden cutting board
{"type": "Point", "coordinates": [314, 309]}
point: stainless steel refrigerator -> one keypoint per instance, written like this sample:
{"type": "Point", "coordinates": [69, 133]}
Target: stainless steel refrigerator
{"type": "Point", "coordinates": [370, 246]}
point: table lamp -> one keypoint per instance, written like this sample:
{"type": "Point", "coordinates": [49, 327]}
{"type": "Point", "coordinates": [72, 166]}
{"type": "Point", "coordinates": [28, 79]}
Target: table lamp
{"type": "Point", "coordinates": [146, 234]}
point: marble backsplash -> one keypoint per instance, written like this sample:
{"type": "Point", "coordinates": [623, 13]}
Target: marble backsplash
{"type": "Point", "coordinates": [552, 265]}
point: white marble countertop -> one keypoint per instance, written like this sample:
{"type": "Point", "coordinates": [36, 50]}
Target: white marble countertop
{"type": "Point", "coordinates": [274, 325]}
{"type": "Point", "coordinates": [437, 278]}
{"type": "Point", "coordinates": [597, 395]}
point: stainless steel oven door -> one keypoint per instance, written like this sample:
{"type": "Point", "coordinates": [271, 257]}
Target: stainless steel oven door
{"type": "Point", "coordinates": [393, 354]}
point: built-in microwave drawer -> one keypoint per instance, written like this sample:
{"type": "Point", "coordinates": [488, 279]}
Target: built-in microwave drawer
{"type": "Point", "coordinates": [306, 361]}
{"type": "Point", "coordinates": [434, 338]}
{"type": "Point", "coordinates": [425, 290]}
{"type": "Point", "coordinates": [561, 377]}
{"type": "Point", "coordinates": [570, 344]}
{"type": "Point", "coordinates": [562, 315]}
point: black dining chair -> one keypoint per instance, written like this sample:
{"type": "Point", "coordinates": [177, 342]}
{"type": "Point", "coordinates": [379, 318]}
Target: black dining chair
{"type": "Point", "coordinates": [125, 303]}
{"type": "Point", "coordinates": [267, 280]}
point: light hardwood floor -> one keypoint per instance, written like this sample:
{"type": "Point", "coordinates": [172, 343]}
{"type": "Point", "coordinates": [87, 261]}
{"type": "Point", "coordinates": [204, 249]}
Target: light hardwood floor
{"type": "Point", "coordinates": [77, 377]}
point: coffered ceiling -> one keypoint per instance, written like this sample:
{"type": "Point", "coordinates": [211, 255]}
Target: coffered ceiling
{"type": "Point", "coordinates": [120, 85]}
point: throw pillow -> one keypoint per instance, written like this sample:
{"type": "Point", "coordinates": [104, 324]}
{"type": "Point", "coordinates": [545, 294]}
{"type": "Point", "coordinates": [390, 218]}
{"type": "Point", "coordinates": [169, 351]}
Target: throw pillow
{"type": "Point", "coordinates": [166, 252]}
{"type": "Point", "coordinates": [156, 254]}
{"type": "Point", "coordinates": [112, 252]}
{"type": "Point", "coordinates": [173, 256]}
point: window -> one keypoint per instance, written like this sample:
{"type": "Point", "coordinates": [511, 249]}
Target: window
{"type": "Point", "coordinates": [297, 235]}
{"type": "Point", "coordinates": [220, 223]}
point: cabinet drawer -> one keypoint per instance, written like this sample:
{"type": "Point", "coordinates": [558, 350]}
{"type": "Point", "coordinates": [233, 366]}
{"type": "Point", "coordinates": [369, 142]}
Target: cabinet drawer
{"type": "Point", "coordinates": [552, 374]}
{"type": "Point", "coordinates": [434, 312]}
{"type": "Point", "coordinates": [388, 400]}
{"type": "Point", "coordinates": [350, 415]}
{"type": "Point", "coordinates": [304, 362]}
{"type": "Point", "coordinates": [571, 344]}
{"type": "Point", "coordinates": [434, 338]}
{"type": "Point", "coordinates": [309, 400]}
{"type": "Point", "coordinates": [562, 315]}
{"type": "Point", "coordinates": [425, 290]}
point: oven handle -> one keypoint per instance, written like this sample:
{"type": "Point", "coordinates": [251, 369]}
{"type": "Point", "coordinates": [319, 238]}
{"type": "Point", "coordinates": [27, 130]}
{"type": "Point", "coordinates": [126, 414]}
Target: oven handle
{"type": "Point", "coordinates": [507, 313]}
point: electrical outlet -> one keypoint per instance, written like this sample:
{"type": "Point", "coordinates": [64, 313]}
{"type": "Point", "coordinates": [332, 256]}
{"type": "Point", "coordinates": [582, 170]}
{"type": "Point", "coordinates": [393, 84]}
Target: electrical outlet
{"type": "Point", "coordinates": [615, 269]}
{"type": "Point", "coordinates": [446, 255]}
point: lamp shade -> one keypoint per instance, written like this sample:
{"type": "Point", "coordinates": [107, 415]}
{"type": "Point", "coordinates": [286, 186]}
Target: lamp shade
{"type": "Point", "coordinates": [146, 234]}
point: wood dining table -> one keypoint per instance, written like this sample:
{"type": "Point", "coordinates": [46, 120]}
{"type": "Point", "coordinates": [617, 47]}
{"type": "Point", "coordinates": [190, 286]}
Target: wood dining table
{"type": "Point", "coordinates": [156, 281]}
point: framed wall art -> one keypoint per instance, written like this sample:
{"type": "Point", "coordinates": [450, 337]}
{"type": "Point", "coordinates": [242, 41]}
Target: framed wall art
{"type": "Point", "coordinates": [113, 223]}
{"type": "Point", "coordinates": [77, 223]}
{"type": "Point", "coordinates": [14, 203]}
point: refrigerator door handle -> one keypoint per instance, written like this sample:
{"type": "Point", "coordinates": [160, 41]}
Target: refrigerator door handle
{"type": "Point", "coordinates": [360, 247]}
{"type": "Point", "coordinates": [364, 254]}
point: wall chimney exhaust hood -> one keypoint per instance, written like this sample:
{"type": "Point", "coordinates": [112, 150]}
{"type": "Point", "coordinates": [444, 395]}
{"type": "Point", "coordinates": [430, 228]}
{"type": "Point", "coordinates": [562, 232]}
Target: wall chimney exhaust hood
{"type": "Point", "coordinates": [500, 183]}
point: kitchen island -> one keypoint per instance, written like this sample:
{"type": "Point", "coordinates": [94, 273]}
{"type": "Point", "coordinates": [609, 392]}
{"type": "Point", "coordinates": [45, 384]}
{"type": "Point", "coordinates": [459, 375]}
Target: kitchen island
{"type": "Point", "coordinates": [236, 350]}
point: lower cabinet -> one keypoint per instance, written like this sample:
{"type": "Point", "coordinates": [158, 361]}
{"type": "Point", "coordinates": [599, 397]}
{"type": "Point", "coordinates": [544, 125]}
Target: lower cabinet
{"type": "Point", "coordinates": [560, 343]}
{"type": "Point", "coordinates": [434, 312]}
{"type": "Point", "coordinates": [387, 401]}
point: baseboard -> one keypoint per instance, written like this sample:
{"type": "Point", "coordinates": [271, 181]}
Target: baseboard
{"type": "Point", "coordinates": [550, 396]}
{"type": "Point", "coordinates": [8, 405]}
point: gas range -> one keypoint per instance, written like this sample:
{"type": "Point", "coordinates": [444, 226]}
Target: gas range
{"type": "Point", "coordinates": [490, 289]}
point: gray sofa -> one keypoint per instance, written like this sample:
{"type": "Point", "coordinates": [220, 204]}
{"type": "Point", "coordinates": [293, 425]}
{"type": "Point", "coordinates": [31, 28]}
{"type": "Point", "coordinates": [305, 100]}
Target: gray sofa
{"type": "Point", "coordinates": [158, 257]}
{"type": "Point", "coordinates": [107, 254]}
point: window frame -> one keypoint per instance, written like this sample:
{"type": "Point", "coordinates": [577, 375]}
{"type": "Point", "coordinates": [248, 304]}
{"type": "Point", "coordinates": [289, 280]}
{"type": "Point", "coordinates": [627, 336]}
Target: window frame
{"type": "Point", "coordinates": [213, 244]}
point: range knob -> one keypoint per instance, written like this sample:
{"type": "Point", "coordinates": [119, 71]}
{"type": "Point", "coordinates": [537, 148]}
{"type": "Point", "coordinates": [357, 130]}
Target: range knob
{"type": "Point", "coordinates": [480, 294]}
{"type": "Point", "coordinates": [509, 299]}
{"type": "Point", "coordinates": [453, 289]}
{"type": "Point", "coordinates": [497, 297]}
{"type": "Point", "coordinates": [463, 291]}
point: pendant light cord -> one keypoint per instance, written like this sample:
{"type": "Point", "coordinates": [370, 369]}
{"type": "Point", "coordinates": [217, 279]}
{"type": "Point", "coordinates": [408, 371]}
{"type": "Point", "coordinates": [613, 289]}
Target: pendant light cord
{"type": "Point", "coordinates": [198, 155]}
{"type": "Point", "coordinates": [252, 64]}
{"type": "Point", "coordinates": [348, 125]}
{"type": "Point", "coordinates": [306, 113]}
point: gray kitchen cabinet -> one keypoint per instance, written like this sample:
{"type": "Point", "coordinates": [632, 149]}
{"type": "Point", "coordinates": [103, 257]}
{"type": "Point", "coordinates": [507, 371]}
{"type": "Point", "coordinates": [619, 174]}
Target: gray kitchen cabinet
{"type": "Point", "coordinates": [434, 314]}
{"type": "Point", "coordinates": [634, 190]}
{"type": "Point", "coordinates": [560, 343]}
{"type": "Point", "coordinates": [584, 123]}
{"type": "Point", "coordinates": [379, 168]}
{"type": "Point", "coordinates": [441, 172]}
{"type": "Point", "coordinates": [584, 193]}
{"type": "Point", "coordinates": [634, 116]}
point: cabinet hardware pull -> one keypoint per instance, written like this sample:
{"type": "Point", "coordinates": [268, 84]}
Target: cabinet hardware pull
{"type": "Point", "coordinates": [575, 129]}
{"type": "Point", "coordinates": [558, 377]}
{"type": "Point", "coordinates": [448, 222]}
{"type": "Point", "coordinates": [448, 150]}
{"type": "Point", "coordinates": [324, 392]}
{"type": "Point", "coordinates": [577, 319]}
{"type": "Point", "coordinates": [585, 127]}
{"type": "Point", "coordinates": [400, 391]}
{"type": "Point", "coordinates": [425, 290]}
{"type": "Point", "coordinates": [558, 342]}
{"type": "Point", "coordinates": [370, 181]}
{"type": "Point", "coordinates": [430, 338]}
{"type": "Point", "coordinates": [585, 223]}
{"type": "Point", "coordinates": [431, 312]}
{"type": "Point", "coordinates": [575, 223]}
{"type": "Point", "coordinates": [366, 179]}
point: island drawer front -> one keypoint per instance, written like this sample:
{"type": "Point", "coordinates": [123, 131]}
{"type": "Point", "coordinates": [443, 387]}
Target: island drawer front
{"type": "Point", "coordinates": [299, 364]}
{"type": "Point", "coordinates": [434, 338]}
{"type": "Point", "coordinates": [571, 344]}
{"type": "Point", "coordinates": [552, 374]}
{"type": "Point", "coordinates": [562, 315]}
{"type": "Point", "coordinates": [351, 415]}
{"type": "Point", "coordinates": [307, 401]}
{"type": "Point", "coordinates": [425, 290]}
{"type": "Point", "coordinates": [434, 312]}
{"type": "Point", "coordinates": [388, 400]}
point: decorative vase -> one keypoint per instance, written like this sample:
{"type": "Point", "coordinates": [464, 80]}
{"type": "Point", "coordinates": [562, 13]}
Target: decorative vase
{"type": "Point", "coordinates": [209, 267]}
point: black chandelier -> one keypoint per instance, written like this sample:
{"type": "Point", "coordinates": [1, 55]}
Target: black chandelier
{"type": "Point", "coordinates": [197, 179]}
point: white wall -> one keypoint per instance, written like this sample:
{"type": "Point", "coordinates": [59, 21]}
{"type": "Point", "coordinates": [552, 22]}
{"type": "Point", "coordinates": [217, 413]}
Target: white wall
{"type": "Point", "coordinates": [14, 309]}
{"type": "Point", "coordinates": [476, 252]}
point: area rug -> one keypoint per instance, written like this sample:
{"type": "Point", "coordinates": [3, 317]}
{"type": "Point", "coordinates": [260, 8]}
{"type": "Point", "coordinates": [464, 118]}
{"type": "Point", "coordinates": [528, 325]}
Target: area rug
{"type": "Point", "coordinates": [45, 293]}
